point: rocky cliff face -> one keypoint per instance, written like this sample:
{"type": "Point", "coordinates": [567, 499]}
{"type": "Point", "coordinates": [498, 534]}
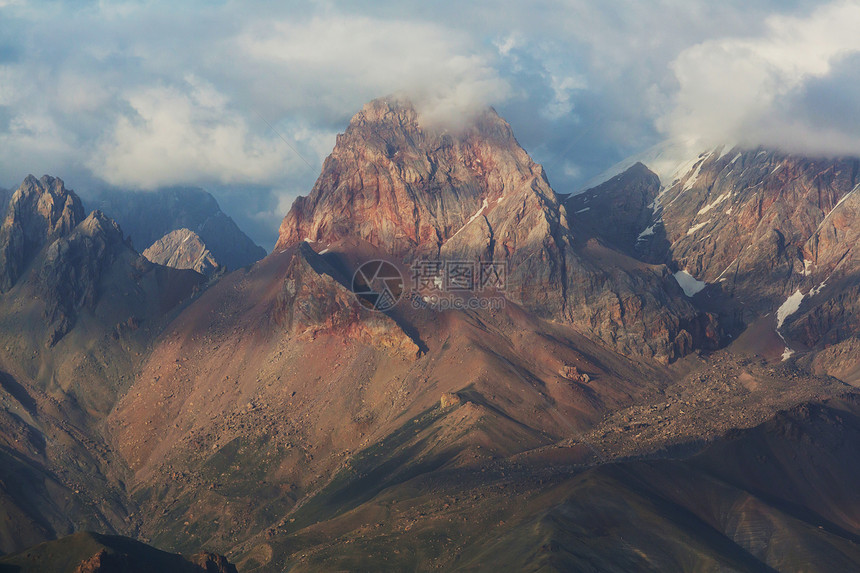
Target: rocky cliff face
{"type": "Point", "coordinates": [313, 300]}
{"type": "Point", "coordinates": [416, 192]}
{"type": "Point", "coordinates": [397, 185]}
{"type": "Point", "coordinates": [620, 209]}
{"type": "Point", "coordinates": [40, 211]}
{"type": "Point", "coordinates": [183, 249]}
{"type": "Point", "coordinates": [742, 219]}
{"type": "Point", "coordinates": [829, 313]}
{"type": "Point", "coordinates": [72, 268]}
{"type": "Point", "coordinates": [770, 234]}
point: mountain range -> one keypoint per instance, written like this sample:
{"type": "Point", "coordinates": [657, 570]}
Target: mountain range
{"type": "Point", "coordinates": [665, 381]}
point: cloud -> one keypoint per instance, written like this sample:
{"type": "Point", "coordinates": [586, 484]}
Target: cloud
{"type": "Point", "coordinates": [777, 89]}
{"type": "Point", "coordinates": [181, 136]}
{"type": "Point", "coordinates": [350, 60]}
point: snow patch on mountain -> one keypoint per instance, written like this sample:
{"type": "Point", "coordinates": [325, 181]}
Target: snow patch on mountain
{"type": "Point", "coordinates": [696, 227]}
{"type": "Point", "coordinates": [714, 203]}
{"type": "Point", "coordinates": [477, 214]}
{"type": "Point", "coordinates": [789, 307]}
{"type": "Point", "coordinates": [647, 232]}
{"type": "Point", "coordinates": [689, 284]}
{"type": "Point", "coordinates": [691, 180]}
{"type": "Point", "coordinates": [817, 289]}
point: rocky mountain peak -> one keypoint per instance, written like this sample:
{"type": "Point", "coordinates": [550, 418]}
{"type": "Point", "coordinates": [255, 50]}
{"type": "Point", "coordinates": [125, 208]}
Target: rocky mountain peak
{"type": "Point", "coordinates": [148, 217]}
{"type": "Point", "coordinates": [414, 192]}
{"type": "Point", "coordinates": [408, 188]}
{"type": "Point", "coordinates": [40, 211]}
{"type": "Point", "coordinates": [183, 249]}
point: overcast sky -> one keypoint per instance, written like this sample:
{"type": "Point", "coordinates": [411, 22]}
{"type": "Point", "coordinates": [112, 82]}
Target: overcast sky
{"type": "Point", "coordinates": [137, 95]}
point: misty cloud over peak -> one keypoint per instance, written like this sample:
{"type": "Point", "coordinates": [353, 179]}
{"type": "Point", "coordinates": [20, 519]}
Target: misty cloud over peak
{"type": "Point", "coordinates": [789, 87]}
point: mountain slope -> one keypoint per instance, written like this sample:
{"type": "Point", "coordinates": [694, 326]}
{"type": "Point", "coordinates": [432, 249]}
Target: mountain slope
{"type": "Point", "coordinates": [94, 553]}
{"type": "Point", "coordinates": [751, 501]}
{"type": "Point", "coordinates": [292, 377]}
{"type": "Point", "coordinates": [284, 423]}
{"type": "Point", "coordinates": [73, 328]}
{"type": "Point", "coordinates": [596, 420]}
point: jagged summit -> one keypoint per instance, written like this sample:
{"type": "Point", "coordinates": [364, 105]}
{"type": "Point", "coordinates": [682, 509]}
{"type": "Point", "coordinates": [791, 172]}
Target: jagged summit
{"type": "Point", "coordinates": [476, 194]}
{"type": "Point", "coordinates": [393, 183]}
{"type": "Point", "coordinates": [53, 253]}
{"type": "Point", "coordinates": [40, 211]}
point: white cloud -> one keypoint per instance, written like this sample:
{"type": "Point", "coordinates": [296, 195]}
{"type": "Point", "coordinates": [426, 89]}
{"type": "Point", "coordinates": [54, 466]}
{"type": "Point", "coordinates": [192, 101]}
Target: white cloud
{"type": "Point", "coordinates": [507, 43]}
{"type": "Point", "coordinates": [184, 136]}
{"type": "Point", "coordinates": [563, 90]}
{"type": "Point", "coordinates": [572, 170]}
{"type": "Point", "coordinates": [354, 59]}
{"type": "Point", "coordinates": [749, 90]}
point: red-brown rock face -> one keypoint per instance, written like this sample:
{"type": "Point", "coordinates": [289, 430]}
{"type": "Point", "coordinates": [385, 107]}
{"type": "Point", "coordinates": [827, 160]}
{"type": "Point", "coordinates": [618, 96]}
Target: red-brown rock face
{"type": "Point", "coordinates": [312, 301]}
{"type": "Point", "coordinates": [416, 192]}
{"type": "Point", "coordinates": [743, 218]}
{"type": "Point", "coordinates": [830, 313]}
{"type": "Point", "coordinates": [759, 227]}
{"type": "Point", "coordinates": [399, 186]}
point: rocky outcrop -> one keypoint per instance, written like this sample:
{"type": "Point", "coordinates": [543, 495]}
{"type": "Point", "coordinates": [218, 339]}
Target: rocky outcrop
{"type": "Point", "coordinates": [476, 195]}
{"type": "Point", "coordinates": [147, 216]}
{"type": "Point", "coordinates": [183, 249]}
{"type": "Point", "coordinates": [69, 276]}
{"type": "Point", "coordinates": [107, 562]}
{"type": "Point", "coordinates": [40, 211]}
{"type": "Point", "coordinates": [313, 300]}
{"type": "Point", "coordinates": [397, 185]}
{"type": "Point", "coordinates": [619, 210]}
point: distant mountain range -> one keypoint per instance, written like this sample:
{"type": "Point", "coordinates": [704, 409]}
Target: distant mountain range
{"type": "Point", "coordinates": [660, 376]}
{"type": "Point", "coordinates": [148, 216]}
